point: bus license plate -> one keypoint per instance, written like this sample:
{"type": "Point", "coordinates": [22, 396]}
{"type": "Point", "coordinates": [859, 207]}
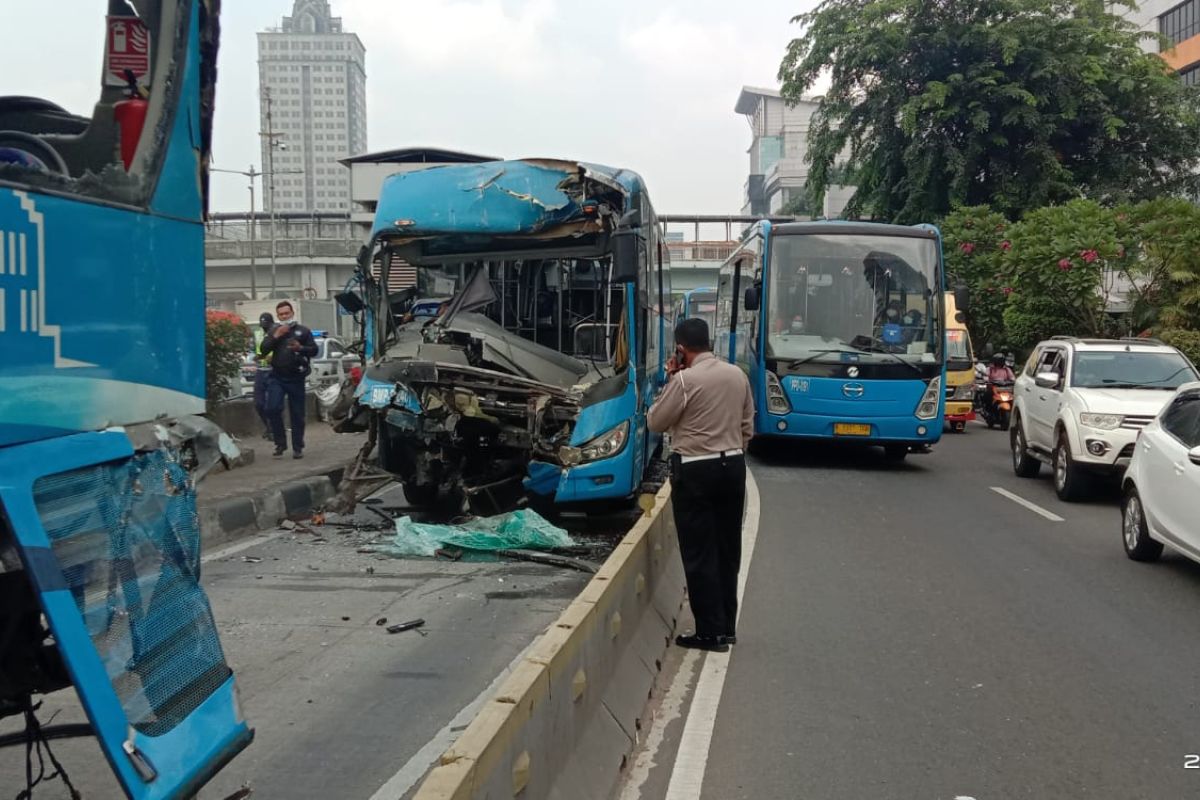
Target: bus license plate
{"type": "Point", "coordinates": [851, 429]}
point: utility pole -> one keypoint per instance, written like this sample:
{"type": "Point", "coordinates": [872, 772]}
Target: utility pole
{"type": "Point", "coordinates": [271, 136]}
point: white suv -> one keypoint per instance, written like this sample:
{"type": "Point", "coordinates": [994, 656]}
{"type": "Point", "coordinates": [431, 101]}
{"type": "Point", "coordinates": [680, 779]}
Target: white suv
{"type": "Point", "coordinates": [1080, 403]}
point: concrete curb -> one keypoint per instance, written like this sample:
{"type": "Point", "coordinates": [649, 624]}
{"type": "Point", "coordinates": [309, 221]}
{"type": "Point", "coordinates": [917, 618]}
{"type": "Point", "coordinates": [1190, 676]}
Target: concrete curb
{"type": "Point", "coordinates": [230, 519]}
{"type": "Point", "coordinates": [564, 723]}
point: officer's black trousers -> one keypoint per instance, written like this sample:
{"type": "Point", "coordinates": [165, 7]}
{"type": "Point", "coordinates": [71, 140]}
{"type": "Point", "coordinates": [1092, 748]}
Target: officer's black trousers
{"type": "Point", "coordinates": [708, 498]}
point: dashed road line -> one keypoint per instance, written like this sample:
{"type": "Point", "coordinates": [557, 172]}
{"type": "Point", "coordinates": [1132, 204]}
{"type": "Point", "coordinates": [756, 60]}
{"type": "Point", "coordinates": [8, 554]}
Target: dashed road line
{"type": "Point", "coordinates": [1034, 507]}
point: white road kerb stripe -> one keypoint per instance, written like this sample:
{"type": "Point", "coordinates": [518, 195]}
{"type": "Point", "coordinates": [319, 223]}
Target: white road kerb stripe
{"type": "Point", "coordinates": [687, 776]}
{"type": "Point", "coordinates": [1034, 507]}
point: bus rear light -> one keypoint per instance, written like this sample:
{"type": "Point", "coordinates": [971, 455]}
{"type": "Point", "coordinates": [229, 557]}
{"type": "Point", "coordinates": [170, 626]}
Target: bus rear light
{"type": "Point", "coordinates": [928, 407]}
{"type": "Point", "coordinates": [777, 402]}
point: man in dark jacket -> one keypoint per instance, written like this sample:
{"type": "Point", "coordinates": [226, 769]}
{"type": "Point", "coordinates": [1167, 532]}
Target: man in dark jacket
{"type": "Point", "coordinates": [289, 345]}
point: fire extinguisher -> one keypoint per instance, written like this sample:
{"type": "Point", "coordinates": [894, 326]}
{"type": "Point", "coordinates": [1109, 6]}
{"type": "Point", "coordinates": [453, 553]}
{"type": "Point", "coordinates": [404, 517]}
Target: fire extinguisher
{"type": "Point", "coordinates": [130, 116]}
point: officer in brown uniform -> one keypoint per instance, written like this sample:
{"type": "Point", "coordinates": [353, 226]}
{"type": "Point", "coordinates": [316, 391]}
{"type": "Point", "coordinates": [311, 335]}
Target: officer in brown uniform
{"type": "Point", "coordinates": [708, 408]}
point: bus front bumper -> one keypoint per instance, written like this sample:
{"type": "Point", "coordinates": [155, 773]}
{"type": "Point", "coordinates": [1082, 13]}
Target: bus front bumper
{"type": "Point", "coordinates": [871, 430]}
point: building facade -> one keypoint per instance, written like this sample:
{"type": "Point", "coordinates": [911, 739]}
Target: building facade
{"type": "Point", "coordinates": [1179, 23]}
{"type": "Point", "coordinates": [313, 106]}
{"type": "Point", "coordinates": [778, 149]}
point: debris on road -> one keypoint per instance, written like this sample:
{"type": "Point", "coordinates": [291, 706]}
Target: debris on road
{"type": "Point", "coordinates": [287, 525]}
{"type": "Point", "coordinates": [400, 627]}
{"type": "Point", "coordinates": [252, 559]}
{"type": "Point", "coordinates": [452, 553]}
{"type": "Point", "coordinates": [518, 530]}
{"type": "Point", "coordinates": [547, 558]}
{"type": "Point", "coordinates": [381, 621]}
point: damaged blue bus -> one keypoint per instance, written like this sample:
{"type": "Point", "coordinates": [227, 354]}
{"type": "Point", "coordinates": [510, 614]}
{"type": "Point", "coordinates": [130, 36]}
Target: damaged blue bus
{"type": "Point", "coordinates": [841, 328]}
{"type": "Point", "coordinates": [536, 375]}
{"type": "Point", "coordinates": [102, 329]}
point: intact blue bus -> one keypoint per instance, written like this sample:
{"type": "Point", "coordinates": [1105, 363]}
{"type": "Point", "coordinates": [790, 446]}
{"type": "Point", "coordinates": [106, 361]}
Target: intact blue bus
{"type": "Point", "coordinates": [700, 303]}
{"type": "Point", "coordinates": [840, 327]}
{"type": "Point", "coordinates": [535, 375]}
{"type": "Point", "coordinates": [102, 330]}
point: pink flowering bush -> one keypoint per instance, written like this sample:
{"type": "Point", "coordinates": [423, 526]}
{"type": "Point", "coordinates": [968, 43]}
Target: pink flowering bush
{"type": "Point", "coordinates": [227, 339]}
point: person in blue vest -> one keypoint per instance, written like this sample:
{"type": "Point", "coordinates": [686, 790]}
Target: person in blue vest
{"type": "Point", "coordinates": [290, 346]}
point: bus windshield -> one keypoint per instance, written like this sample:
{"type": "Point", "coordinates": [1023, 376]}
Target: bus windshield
{"type": "Point", "coordinates": [876, 296]}
{"type": "Point", "coordinates": [958, 349]}
{"type": "Point", "coordinates": [703, 306]}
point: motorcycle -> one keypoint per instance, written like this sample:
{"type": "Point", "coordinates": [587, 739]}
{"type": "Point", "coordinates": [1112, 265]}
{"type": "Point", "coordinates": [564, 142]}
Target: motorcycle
{"type": "Point", "coordinates": [994, 404]}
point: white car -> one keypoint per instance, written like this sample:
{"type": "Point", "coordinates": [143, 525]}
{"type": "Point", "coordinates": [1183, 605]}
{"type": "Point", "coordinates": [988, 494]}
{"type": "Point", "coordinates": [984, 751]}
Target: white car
{"type": "Point", "coordinates": [1161, 490]}
{"type": "Point", "coordinates": [1080, 403]}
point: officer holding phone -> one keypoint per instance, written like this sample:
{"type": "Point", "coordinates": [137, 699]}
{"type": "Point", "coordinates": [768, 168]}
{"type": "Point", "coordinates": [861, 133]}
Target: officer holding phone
{"type": "Point", "coordinates": [289, 345]}
{"type": "Point", "coordinates": [708, 408]}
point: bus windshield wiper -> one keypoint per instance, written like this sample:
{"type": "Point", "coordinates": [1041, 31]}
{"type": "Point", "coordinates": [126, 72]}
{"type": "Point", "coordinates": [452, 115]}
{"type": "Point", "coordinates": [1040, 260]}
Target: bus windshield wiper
{"type": "Point", "coordinates": [874, 348]}
{"type": "Point", "coordinates": [812, 356]}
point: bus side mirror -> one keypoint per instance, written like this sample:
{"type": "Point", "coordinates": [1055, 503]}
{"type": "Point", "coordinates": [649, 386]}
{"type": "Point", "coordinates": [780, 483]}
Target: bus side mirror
{"type": "Point", "coordinates": [626, 255]}
{"type": "Point", "coordinates": [962, 297]}
{"type": "Point", "coordinates": [627, 246]}
{"type": "Point", "coordinates": [753, 297]}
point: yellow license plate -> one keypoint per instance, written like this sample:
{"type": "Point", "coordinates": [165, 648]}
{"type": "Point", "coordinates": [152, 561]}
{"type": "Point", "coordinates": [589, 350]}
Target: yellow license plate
{"type": "Point", "coordinates": [850, 429]}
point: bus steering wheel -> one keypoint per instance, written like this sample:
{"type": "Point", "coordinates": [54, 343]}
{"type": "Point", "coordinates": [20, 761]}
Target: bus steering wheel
{"type": "Point", "coordinates": [36, 147]}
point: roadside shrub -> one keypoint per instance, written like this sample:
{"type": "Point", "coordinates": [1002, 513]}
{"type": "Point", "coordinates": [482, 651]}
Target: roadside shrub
{"type": "Point", "coordinates": [226, 341]}
{"type": "Point", "coordinates": [1188, 342]}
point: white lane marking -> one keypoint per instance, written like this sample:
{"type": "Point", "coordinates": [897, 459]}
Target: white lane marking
{"type": "Point", "coordinates": [687, 776]}
{"type": "Point", "coordinates": [1021, 501]}
{"type": "Point", "coordinates": [670, 710]}
{"type": "Point", "coordinates": [416, 767]}
{"type": "Point", "coordinates": [240, 546]}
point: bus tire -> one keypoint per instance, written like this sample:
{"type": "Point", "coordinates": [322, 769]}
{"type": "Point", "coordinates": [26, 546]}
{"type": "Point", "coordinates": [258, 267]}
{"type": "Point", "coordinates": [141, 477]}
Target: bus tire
{"type": "Point", "coordinates": [895, 453]}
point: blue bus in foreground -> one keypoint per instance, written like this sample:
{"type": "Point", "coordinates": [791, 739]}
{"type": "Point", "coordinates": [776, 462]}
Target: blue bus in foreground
{"type": "Point", "coordinates": [102, 329]}
{"type": "Point", "coordinates": [535, 375]}
{"type": "Point", "coordinates": [841, 328]}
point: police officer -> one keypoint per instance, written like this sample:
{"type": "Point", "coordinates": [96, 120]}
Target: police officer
{"type": "Point", "coordinates": [707, 407]}
{"type": "Point", "coordinates": [289, 345]}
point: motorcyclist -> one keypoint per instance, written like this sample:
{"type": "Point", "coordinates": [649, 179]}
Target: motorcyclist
{"type": "Point", "coordinates": [999, 371]}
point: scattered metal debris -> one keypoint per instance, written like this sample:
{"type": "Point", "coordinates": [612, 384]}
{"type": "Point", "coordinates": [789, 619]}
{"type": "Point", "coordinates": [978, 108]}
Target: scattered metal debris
{"type": "Point", "coordinates": [252, 559]}
{"type": "Point", "coordinates": [452, 553]}
{"type": "Point", "coordinates": [546, 558]}
{"type": "Point", "coordinates": [400, 627]}
{"type": "Point", "coordinates": [381, 621]}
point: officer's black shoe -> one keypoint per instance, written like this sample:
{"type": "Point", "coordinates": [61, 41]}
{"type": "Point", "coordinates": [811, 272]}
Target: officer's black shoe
{"type": "Point", "coordinates": [279, 451]}
{"type": "Point", "coordinates": [711, 643]}
{"type": "Point", "coordinates": [730, 638]}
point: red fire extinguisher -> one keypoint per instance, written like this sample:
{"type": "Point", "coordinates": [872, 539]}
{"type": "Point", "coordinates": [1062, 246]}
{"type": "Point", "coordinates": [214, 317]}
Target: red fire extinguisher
{"type": "Point", "coordinates": [130, 116]}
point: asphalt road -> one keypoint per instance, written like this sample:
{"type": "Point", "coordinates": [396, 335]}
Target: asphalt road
{"type": "Point", "coordinates": [910, 633]}
{"type": "Point", "coordinates": [340, 706]}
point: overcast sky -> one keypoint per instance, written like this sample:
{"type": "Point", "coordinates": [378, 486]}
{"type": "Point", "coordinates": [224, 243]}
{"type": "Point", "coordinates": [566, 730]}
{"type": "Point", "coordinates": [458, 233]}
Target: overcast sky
{"type": "Point", "coordinates": [644, 84]}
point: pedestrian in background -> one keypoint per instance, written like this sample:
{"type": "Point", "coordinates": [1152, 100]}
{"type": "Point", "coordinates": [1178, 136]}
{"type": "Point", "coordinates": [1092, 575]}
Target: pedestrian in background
{"type": "Point", "coordinates": [289, 345]}
{"type": "Point", "coordinates": [262, 372]}
{"type": "Point", "coordinates": [708, 408]}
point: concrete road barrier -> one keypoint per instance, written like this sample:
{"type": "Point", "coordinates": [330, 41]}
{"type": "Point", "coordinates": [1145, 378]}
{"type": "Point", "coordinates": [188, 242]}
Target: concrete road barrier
{"type": "Point", "coordinates": [565, 722]}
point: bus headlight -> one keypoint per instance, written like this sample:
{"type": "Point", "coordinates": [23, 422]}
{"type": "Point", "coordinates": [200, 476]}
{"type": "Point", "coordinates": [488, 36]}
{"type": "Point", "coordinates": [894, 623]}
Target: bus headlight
{"type": "Point", "coordinates": [777, 402]}
{"type": "Point", "coordinates": [606, 445]}
{"type": "Point", "coordinates": [928, 407]}
{"type": "Point", "coordinates": [965, 391]}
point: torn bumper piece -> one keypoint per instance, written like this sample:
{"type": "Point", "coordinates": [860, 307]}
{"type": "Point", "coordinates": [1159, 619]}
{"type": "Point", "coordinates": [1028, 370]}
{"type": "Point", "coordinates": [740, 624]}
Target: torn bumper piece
{"type": "Point", "coordinates": [519, 530]}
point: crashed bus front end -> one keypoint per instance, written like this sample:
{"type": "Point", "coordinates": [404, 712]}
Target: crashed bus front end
{"type": "Point", "coordinates": [524, 384]}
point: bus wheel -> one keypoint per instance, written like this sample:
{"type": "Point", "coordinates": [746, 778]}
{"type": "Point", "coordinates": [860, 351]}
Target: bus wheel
{"type": "Point", "coordinates": [895, 453]}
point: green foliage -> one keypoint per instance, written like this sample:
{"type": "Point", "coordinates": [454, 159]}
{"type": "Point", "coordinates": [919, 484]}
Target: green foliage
{"type": "Point", "coordinates": [1061, 267]}
{"type": "Point", "coordinates": [1187, 341]}
{"type": "Point", "coordinates": [226, 341]}
{"type": "Point", "coordinates": [1168, 268]}
{"type": "Point", "coordinates": [975, 239]}
{"type": "Point", "coordinates": [1013, 103]}
{"type": "Point", "coordinates": [797, 206]}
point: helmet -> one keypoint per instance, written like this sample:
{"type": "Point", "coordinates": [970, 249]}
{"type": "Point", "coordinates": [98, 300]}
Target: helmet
{"type": "Point", "coordinates": [998, 359]}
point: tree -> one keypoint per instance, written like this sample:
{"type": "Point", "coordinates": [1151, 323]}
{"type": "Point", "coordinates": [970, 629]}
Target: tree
{"type": "Point", "coordinates": [975, 240]}
{"type": "Point", "coordinates": [1063, 265]}
{"type": "Point", "coordinates": [1013, 103]}
{"type": "Point", "coordinates": [1167, 273]}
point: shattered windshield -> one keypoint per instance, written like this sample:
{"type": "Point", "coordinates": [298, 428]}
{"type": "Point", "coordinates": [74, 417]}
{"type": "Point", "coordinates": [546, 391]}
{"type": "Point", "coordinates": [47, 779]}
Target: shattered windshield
{"type": "Point", "coordinates": [874, 296]}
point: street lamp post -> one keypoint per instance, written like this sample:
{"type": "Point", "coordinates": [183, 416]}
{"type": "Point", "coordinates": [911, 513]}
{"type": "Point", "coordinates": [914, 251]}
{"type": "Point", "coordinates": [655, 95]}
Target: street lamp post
{"type": "Point", "coordinates": [251, 174]}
